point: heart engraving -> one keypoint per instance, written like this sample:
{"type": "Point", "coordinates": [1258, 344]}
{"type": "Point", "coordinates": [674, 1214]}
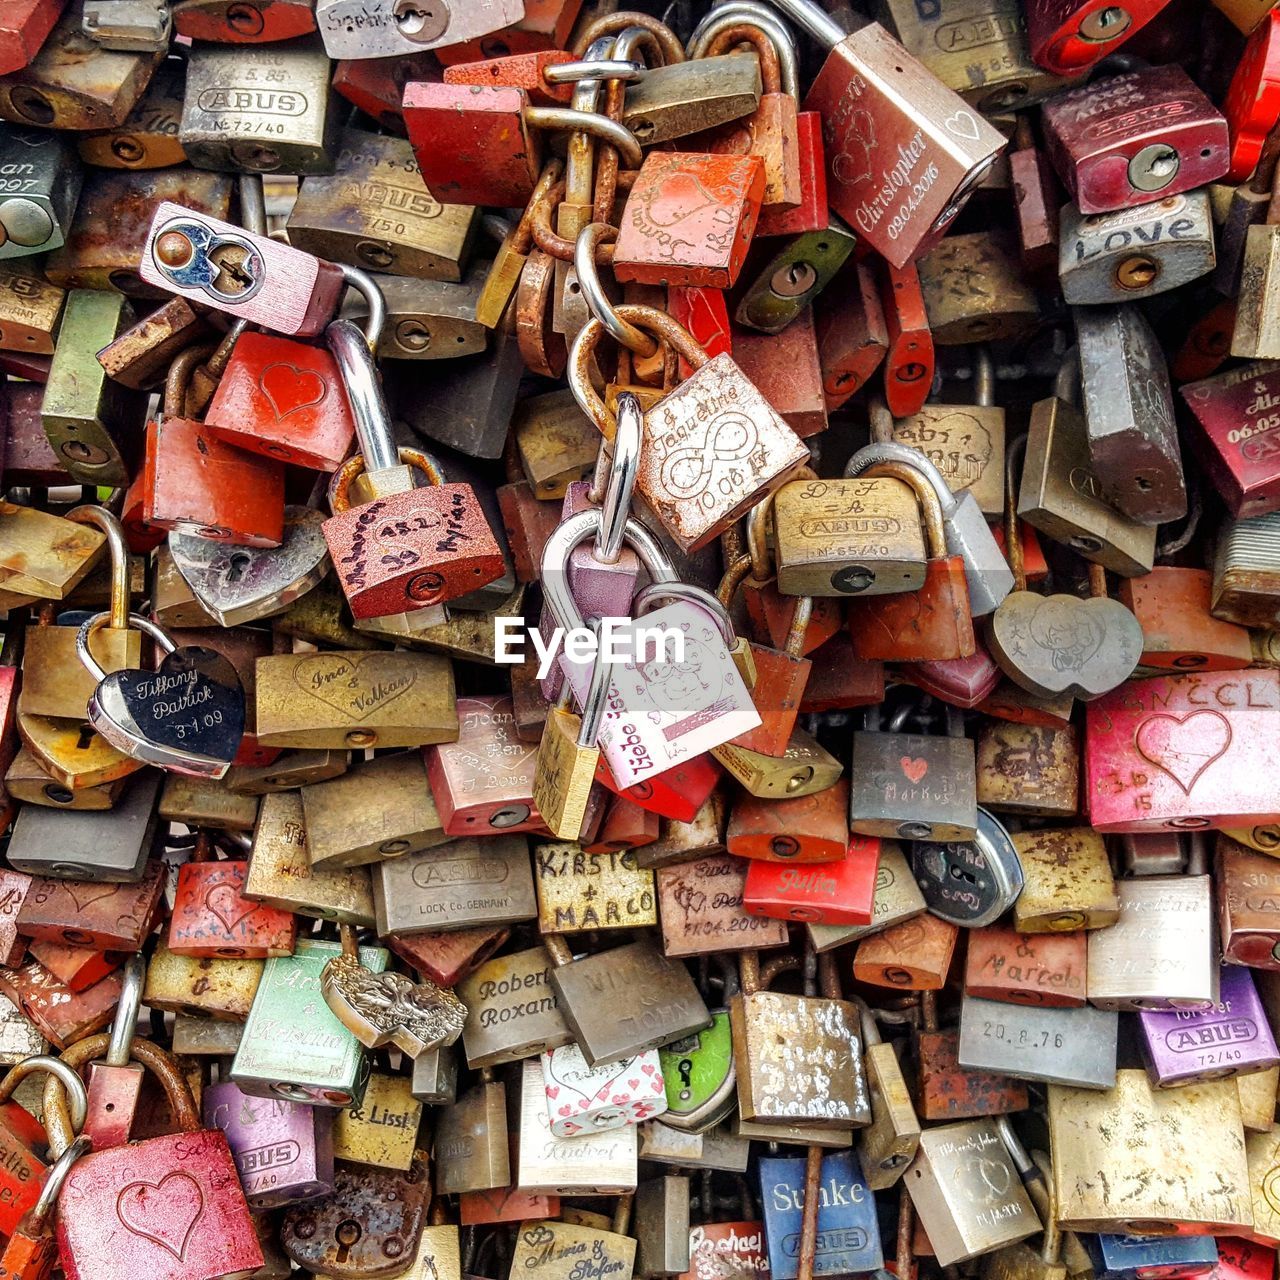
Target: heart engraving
{"type": "Point", "coordinates": [85, 894]}
{"type": "Point", "coordinates": [1184, 746]}
{"type": "Point", "coordinates": [893, 614]}
{"type": "Point", "coordinates": [164, 1212]}
{"type": "Point", "coordinates": [680, 197]}
{"type": "Point", "coordinates": [354, 687]}
{"type": "Point", "coordinates": [289, 389]}
{"type": "Point", "coordinates": [963, 125]}
{"type": "Point", "coordinates": [228, 906]}
{"type": "Point", "coordinates": [914, 769]}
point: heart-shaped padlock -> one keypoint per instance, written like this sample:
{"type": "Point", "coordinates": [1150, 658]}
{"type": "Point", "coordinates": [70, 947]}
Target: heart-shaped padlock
{"type": "Point", "coordinates": [241, 584]}
{"type": "Point", "coordinates": [187, 716]}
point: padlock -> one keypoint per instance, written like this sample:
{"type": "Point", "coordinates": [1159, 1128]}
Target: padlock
{"type": "Point", "coordinates": [970, 883]}
{"type": "Point", "coordinates": [14, 886]}
{"type": "Point", "coordinates": [1118, 1255]}
{"type": "Point", "coordinates": [383, 1130]}
{"type": "Point", "coordinates": [385, 28]}
{"type": "Point", "coordinates": [966, 1190]}
{"type": "Point", "coordinates": [577, 892]}
{"type": "Point", "coordinates": [912, 786]}
{"type": "Point", "coordinates": [195, 483]}
{"type": "Point", "coordinates": [1039, 1042]}
{"type": "Point", "coordinates": [512, 1010]}
{"type": "Point", "coordinates": [909, 359]}
{"type": "Point", "coordinates": [556, 445]}
{"type": "Point", "coordinates": [1179, 633]}
{"type": "Point", "coordinates": [288, 770]}
{"type": "Point", "coordinates": [193, 1167]}
{"type": "Point", "coordinates": [381, 809]}
{"type": "Point", "coordinates": [835, 893]}
{"type": "Point", "coordinates": [808, 828]}
{"type": "Point", "coordinates": [1068, 38]}
{"type": "Point", "coordinates": [78, 967]}
{"type": "Point", "coordinates": [1135, 253]}
{"type": "Point", "coordinates": [115, 1083]}
{"type": "Point", "coordinates": [61, 1015]}
{"type": "Point", "coordinates": [355, 699]}
{"type": "Point", "coordinates": [1137, 153]}
{"type": "Point", "coordinates": [1028, 769]}
{"type": "Point", "coordinates": [448, 956]}
{"type": "Point", "coordinates": [295, 128]}
{"type": "Point", "coordinates": [283, 1150]}
{"type": "Point", "coordinates": [133, 25]}
{"type": "Point", "coordinates": [148, 136]}
{"type": "Point", "coordinates": [26, 28]}
{"type": "Point", "coordinates": [446, 545]}
{"type": "Point", "coordinates": [702, 908]}
{"type": "Point", "coordinates": [946, 1090]}
{"type": "Point", "coordinates": [1003, 965]}
{"type": "Point", "coordinates": [1060, 493]}
{"type": "Point", "coordinates": [798, 1058]}
{"type": "Point", "coordinates": [206, 803]}
{"type": "Point", "coordinates": [688, 97]}
{"type": "Point", "coordinates": [1068, 883]}
{"type": "Point", "coordinates": [1243, 589]}
{"type": "Point", "coordinates": [91, 422]}
{"type": "Point", "coordinates": [538, 73]}
{"type": "Point", "coordinates": [141, 355]}
{"type": "Point", "coordinates": [699, 1072]}
{"type": "Point", "coordinates": [434, 888]}
{"type": "Point", "coordinates": [250, 277]}
{"type": "Point", "coordinates": [1060, 644]}
{"type": "Point", "coordinates": [662, 1208]}
{"type": "Point", "coordinates": [860, 111]}
{"type": "Point", "coordinates": [988, 574]}
{"type": "Point", "coordinates": [211, 917]}
{"type": "Point", "coordinates": [897, 898]}
{"type": "Point", "coordinates": [401, 228]}
{"type": "Point", "coordinates": [36, 213]}
{"type": "Point", "coordinates": [111, 847]}
{"type": "Point", "coordinates": [966, 443]}
{"type": "Point", "coordinates": [1174, 964]}
{"type": "Point", "coordinates": [1246, 923]}
{"type": "Point", "coordinates": [42, 554]}
{"type": "Point", "coordinates": [914, 954]}
{"type": "Point", "coordinates": [244, 21]}
{"type": "Point", "coordinates": [932, 623]}
{"type": "Point", "coordinates": [317, 1060]}
{"type": "Point", "coordinates": [88, 913]}
{"type": "Point", "coordinates": [30, 314]}
{"type": "Point", "coordinates": [974, 290]}
{"type": "Point", "coordinates": [1133, 1127]}
{"type": "Point", "coordinates": [373, 1220]}
{"type": "Point", "coordinates": [592, 1164]}
{"type": "Point", "coordinates": [72, 82]}
{"type": "Point", "coordinates": [32, 1251]}
{"type": "Point", "coordinates": [585, 1099]}
{"type": "Point", "coordinates": [61, 784]}
{"type": "Point", "coordinates": [1133, 441]}
{"type": "Point", "coordinates": [1233, 1038]}
{"type": "Point", "coordinates": [851, 332]}
{"type": "Point", "coordinates": [1182, 752]}
{"type": "Point", "coordinates": [54, 683]}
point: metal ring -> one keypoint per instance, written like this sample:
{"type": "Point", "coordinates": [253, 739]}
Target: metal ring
{"type": "Point", "coordinates": [364, 284]}
{"type": "Point", "coordinates": [615, 505]}
{"type": "Point", "coordinates": [125, 1027]}
{"type": "Point", "coordinates": [77, 1096]}
{"type": "Point", "coordinates": [584, 263]}
{"type": "Point", "coordinates": [586, 94]}
{"type": "Point", "coordinates": [694, 595]}
{"type": "Point", "coordinates": [97, 622]}
{"type": "Point", "coordinates": [595, 69]}
{"type": "Point", "coordinates": [615, 133]}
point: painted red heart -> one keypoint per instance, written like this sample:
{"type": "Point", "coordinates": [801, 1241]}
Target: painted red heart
{"type": "Point", "coordinates": [1183, 747]}
{"type": "Point", "coordinates": [289, 389]}
{"type": "Point", "coordinates": [566, 1110]}
{"type": "Point", "coordinates": [658, 1086]}
{"type": "Point", "coordinates": [914, 769]}
{"type": "Point", "coordinates": [633, 1084]}
{"type": "Point", "coordinates": [648, 1068]}
{"type": "Point", "coordinates": [553, 1091]}
{"type": "Point", "coordinates": [164, 1212]}
{"type": "Point", "coordinates": [227, 904]}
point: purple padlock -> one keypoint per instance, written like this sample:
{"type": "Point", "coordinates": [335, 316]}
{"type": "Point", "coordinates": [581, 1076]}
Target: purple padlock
{"type": "Point", "coordinates": [283, 1150]}
{"type": "Point", "coordinates": [1231, 1039]}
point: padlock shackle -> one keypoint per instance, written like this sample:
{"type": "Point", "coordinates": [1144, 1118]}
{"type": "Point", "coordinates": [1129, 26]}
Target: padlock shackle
{"type": "Point", "coordinates": [984, 377]}
{"type": "Point", "coordinates": [577, 529]}
{"type": "Point", "coordinates": [160, 1062]}
{"type": "Point", "coordinates": [626, 70]}
{"type": "Point", "coordinates": [253, 203]}
{"type": "Point", "coordinates": [593, 294]}
{"type": "Point", "coordinates": [617, 24]}
{"type": "Point", "coordinates": [620, 482]}
{"type": "Point", "coordinates": [762, 16]}
{"type": "Point", "coordinates": [55, 1179]}
{"type": "Point", "coordinates": [124, 1028]}
{"type": "Point", "coordinates": [597, 699]}
{"type": "Point", "coordinates": [71, 1106]}
{"type": "Point", "coordinates": [100, 620]}
{"type": "Point", "coordinates": [686, 591]}
{"type": "Point", "coordinates": [359, 377]}
{"type": "Point", "coordinates": [367, 287]}
{"type": "Point", "coordinates": [1066, 382]}
{"type": "Point", "coordinates": [178, 379]}
{"type": "Point", "coordinates": [724, 37]}
{"type": "Point", "coordinates": [888, 451]}
{"type": "Point", "coordinates": [596, 126]}
{"type": "Point", "coordinates": [813, 21]}
{"type": "Point", "coordinates": [341, 481]}
{"type": "Point", "coordinates": [1051, 1244]}
{"type": "Point", "coordinates": [735, 574]}
{"type": "Point", "coordinates": [582, 354]}
{"type": "Point", "coordinates": [1015, 452]}
{"type": "Point", "coordinates": [118, 548]}
{"type": "Point", "coordinates": [935, 535]}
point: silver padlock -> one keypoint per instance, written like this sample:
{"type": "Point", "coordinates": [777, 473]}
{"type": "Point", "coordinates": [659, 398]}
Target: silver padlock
{"type": "Point", "coordinates": [969, 883]}
{"type": "Point", "coordinates": [392, 28]}
{"type": "Point", "coordinates": [132, 26]}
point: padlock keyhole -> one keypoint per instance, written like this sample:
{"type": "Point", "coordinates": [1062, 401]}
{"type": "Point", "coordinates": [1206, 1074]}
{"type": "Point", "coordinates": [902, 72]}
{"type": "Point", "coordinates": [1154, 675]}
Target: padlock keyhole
{"type": "Point", "coordinates": [959, 873]}
{"type": "Point", "coordinates": [238, 563]}
{"type": "Point", "coordinates": [234, 274]}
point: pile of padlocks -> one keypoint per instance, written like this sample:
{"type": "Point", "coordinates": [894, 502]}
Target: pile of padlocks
{"type": "Point", "coordinates": [639, 643]}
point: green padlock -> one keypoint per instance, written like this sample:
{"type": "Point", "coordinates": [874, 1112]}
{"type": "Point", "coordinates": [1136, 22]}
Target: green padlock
{"type": "Point", "coordinates": [700, 1079]}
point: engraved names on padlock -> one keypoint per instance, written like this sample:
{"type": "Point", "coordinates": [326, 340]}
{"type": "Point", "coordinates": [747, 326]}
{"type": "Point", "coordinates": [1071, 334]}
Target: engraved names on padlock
{"type": "Point", "coordinates": [701, 907]}
{"type": "Point", "coordinates": [566, 1251]}
{"type": "Point", "coordinates": [578, 891]}
{"type": "Point", "coordinates": [512, 1010]}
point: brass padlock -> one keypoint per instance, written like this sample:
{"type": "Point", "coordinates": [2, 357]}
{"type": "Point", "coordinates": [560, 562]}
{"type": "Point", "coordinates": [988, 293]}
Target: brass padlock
{"type": "Point", "coordinates": [1028, 769]}
{"type": "Point", "coordinates": [1067, 882]}
{"type": "Point", "coordinates": [974, 290]}
{"type": "Point", "coordinates": [204, 987]}
{"type": "Point", "coordinates": [148, 137]}
{"type": "Point", "coordinates": [512, 1010]}
{"type": "Point", "coordinates": [382, 1129]}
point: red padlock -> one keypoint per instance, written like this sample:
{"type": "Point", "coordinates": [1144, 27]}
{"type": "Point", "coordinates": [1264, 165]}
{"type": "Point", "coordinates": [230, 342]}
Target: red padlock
{"type": "Point", "coordinates": [244, 21]}
{"type": "Point", "coordinates": [517, 71]}
{"type": "Point", "coordinates": [1252, 104]}
{"type": "Point", "coordinates": [24, 27]}
{"type": "Point", "coordinates": [283, 398]}
{"type": "Point", "coordinates": [376, 85]}
{"type": "Point", "coordinates": [824, 893]}
{"type": "Point", "coordinates": [908, 366]}
{"type": "Point", "coordinates": [1068, 36]}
